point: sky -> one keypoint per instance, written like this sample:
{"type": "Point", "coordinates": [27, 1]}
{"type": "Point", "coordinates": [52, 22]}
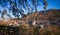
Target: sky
{"type": "Point", "coordinates": [52, 4]}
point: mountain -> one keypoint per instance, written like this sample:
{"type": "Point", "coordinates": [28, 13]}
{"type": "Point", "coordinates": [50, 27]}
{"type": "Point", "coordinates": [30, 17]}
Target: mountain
{"type": "Point", "coordinates": [51, 14]}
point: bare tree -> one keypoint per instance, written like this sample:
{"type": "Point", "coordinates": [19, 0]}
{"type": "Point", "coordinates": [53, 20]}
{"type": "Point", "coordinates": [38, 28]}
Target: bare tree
{"type": "Point", "coordinates": [3, 13]}
{"type": "Point", "coordinates": [34, 2]}
{"type": "Point", "coordinates": [45, 5]}
{"type": "Point", "coordinates": [15, 6]}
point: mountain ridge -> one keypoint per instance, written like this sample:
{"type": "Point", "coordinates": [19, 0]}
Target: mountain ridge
{"type": "Point", "coordinates": [49, 14]}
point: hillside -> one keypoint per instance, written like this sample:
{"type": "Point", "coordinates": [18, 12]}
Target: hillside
{"type": "Point", "coordinates": [53, 14]}
{"type": "Point", "coordinates": [17, 26]}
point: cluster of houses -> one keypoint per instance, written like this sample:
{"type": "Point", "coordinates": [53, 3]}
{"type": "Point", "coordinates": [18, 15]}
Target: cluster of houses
{"type": "Point", "coordinates": [39, 23]}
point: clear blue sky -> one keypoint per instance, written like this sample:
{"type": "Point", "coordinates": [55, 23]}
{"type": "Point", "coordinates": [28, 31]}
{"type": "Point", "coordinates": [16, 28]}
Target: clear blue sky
{"type": "Point", "coordinates": [52, 4]}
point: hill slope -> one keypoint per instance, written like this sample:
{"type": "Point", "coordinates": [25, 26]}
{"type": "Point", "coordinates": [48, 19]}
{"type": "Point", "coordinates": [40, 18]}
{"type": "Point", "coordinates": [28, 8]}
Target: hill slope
{"type": "Point", "coordinates": [53, 14]}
